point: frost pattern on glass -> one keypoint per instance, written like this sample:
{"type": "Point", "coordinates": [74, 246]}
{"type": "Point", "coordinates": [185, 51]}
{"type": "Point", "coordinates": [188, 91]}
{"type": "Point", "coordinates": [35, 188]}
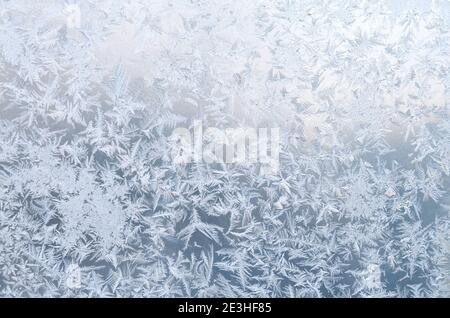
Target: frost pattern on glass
{"type": "Point", "coordinates": [92, 204]}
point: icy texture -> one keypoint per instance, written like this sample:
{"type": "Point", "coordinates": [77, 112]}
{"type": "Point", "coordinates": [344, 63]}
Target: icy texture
{"type": "Point", "coordinates": [91, 204]}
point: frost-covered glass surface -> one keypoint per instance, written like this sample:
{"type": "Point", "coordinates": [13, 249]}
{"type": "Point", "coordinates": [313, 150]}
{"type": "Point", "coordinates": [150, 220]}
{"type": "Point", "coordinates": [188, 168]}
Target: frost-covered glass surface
{"type": "Point", "coordinates": [92, 203]}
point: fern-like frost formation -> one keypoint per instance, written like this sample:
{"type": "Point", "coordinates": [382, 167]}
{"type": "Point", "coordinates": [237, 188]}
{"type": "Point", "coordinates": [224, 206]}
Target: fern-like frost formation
{"type": "Point", "coordinates": [92, 203]}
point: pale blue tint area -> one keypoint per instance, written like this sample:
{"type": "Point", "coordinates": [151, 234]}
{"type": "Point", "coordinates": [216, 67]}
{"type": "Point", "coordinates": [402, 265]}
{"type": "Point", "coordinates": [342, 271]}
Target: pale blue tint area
{"type": "Point", "coordinates": [92, 203]}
